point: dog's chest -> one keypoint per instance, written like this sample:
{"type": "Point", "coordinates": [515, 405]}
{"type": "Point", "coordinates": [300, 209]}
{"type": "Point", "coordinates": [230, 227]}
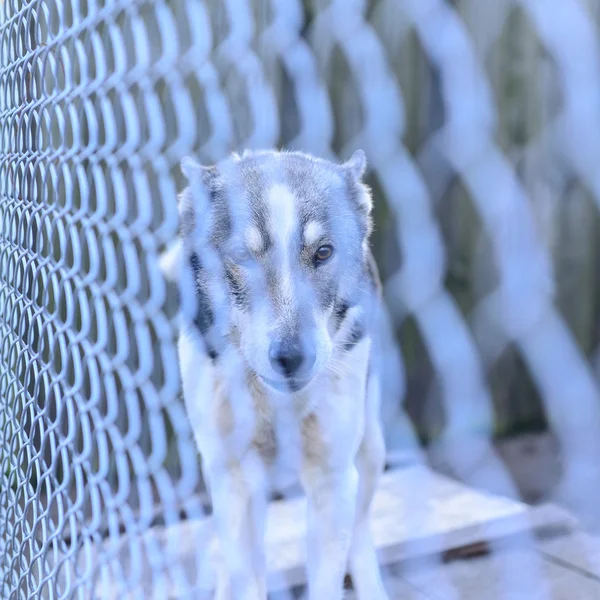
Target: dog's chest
{"type": "Point", "coordinates": [287, 438]}
{"type": "Point", "coordinates": [278, 440]}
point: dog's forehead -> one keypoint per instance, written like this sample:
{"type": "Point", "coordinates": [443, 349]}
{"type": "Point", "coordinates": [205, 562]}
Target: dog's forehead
{"type": "Point", "coordinates": [286, 190]}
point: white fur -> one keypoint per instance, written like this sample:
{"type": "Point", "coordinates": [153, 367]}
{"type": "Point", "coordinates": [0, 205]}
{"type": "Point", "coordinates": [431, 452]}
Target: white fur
{"type": "Point", "coordinates": [282, 226]}
{"type": "Point", "coordinates": [254, 239]}
{"type": "Point", "coordinates": [283, 213]}
{"type": "Point", "coordinates": [313, 232]}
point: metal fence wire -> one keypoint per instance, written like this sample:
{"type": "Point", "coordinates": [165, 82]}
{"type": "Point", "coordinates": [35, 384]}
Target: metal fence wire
{"type": "Point", "coordinates": [480, 123]}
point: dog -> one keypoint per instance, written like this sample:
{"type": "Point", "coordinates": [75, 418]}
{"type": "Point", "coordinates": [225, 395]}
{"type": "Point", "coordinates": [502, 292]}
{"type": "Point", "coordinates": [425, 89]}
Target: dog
{"type": "Point", "coordinates": [279, 292]}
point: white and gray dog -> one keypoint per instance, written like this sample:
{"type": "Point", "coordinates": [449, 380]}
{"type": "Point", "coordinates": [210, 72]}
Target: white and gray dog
{"type": "Point", "coordinates": [276, 359]}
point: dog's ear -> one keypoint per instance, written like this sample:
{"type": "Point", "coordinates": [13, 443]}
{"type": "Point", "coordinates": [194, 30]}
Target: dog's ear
{"type": "Point", "coordinates": [202, 180]}
{"type": "Point", "coordinates": [195, 172]}
{"type": "Point", "coordinates": [357, 164]}
{"type": "Point", "coordinates": [171, 260]}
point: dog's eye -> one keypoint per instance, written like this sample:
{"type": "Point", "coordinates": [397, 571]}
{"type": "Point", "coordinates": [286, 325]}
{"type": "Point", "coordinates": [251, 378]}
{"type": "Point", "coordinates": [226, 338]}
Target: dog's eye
{"type": "Point", "coordinates": [323, 254]}
{"type": "Point", "coordinates": [240, 255]}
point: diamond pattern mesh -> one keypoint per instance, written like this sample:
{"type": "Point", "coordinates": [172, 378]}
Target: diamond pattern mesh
{"type": "Point", "coordinates": [480, 122]}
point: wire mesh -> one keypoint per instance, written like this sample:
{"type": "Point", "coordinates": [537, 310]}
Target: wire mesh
{"type": "Point", "coordinates": [479, 121]}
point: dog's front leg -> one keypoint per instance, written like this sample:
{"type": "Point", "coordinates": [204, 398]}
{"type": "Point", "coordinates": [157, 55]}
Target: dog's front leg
{"type": "Point", "coordinates": [331, 497]}
{"type": "Point", "coordinates": [239, 510]}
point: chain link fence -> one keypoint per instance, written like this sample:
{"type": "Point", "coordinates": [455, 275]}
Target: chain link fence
{"type": "Point", "coordinates": [479, 120]}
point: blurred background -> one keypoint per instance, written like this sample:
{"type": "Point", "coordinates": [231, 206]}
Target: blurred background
{"type": "Point", "coordinates": [480, 122]}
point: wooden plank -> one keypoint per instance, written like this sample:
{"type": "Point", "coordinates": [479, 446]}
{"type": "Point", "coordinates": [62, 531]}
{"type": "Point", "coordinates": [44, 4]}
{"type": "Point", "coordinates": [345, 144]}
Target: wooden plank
{"type": "Point", "coordinates": [416, 512]}
{"type": "Point", "coordinates": [510, 574]}
{"type": "Point", "coordinates": [397, 589]}
{"type": "Point", "coordinates": [578, 551]}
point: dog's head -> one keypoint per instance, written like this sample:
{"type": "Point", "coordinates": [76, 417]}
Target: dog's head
{"type": "Point", "coordinates": [286, 234]}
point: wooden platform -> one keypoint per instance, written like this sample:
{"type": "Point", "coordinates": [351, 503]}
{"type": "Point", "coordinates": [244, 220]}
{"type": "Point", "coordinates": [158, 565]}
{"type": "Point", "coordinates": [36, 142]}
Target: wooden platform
{"type": "Point", "coordinates": [436, 539]}
{"type": "Point", "coordinates": [563, 568]}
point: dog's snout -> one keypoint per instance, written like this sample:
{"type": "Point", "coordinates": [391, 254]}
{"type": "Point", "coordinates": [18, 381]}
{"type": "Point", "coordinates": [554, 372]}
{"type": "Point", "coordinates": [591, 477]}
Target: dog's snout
{"type": "Point", "coordinates": [289, 357]}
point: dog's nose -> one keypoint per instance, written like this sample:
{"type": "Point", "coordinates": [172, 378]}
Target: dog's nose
{"type": "Point", "coordinates": [288, 357]}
